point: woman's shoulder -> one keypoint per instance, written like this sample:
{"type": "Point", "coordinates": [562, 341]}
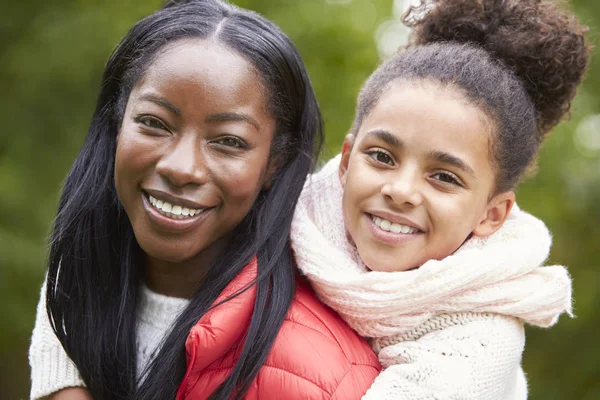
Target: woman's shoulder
{"type": "Point", "coordinates": [308, 314]}
{"type": "Point", "coordinates": [317, 353]}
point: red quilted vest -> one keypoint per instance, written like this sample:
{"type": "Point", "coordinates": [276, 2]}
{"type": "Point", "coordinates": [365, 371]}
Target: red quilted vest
{"type": "Point", "coordinates": [315, 355]}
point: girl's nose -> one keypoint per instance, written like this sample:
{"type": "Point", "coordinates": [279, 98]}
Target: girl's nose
{"type": "Point", "coordinates": [403, 188]}
{"type": "Point", "coordinates": [184, 163]}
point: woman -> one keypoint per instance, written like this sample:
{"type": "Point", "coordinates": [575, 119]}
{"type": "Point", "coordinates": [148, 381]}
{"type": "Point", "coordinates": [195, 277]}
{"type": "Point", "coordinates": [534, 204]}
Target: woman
{"type": "Point", "coordinates": [177, 213]}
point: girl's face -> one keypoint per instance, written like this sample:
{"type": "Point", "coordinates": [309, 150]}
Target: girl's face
{"type": "Point", "coordinates": [417, 178]}
{"type": "Point", "coordinates": [193, 151]}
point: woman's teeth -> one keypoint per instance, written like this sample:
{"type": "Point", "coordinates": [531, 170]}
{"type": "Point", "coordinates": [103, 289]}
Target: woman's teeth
{"type": "Point", "coordinates": [173, 211]}
{"type": "Point", "coordinates": [393, 227]}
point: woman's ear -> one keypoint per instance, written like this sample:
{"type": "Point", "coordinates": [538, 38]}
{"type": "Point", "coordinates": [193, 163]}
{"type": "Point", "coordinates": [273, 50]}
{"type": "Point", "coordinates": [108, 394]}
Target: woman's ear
{"type": "Point", "coordinates": [496, 213]}
{"type": "Point", "coordinates": [346, 150]}
{"type": "Point", "coordinates": [275, 163]}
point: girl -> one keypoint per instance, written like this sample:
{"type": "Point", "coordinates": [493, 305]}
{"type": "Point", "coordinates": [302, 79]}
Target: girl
{"type": "Point", "coordinates": [410, 236]}
{"type": "Point", "coordinates": [171, 234]}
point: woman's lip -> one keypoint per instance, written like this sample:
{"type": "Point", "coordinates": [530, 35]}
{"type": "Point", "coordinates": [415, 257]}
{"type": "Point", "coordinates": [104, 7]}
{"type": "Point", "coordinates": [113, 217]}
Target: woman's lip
{"type": "Point", "coordinates": [164, 196]}
{"type": "Point", "coordinates": [172, 224]}
{"type": "Point", "coordinates": [389, 237]}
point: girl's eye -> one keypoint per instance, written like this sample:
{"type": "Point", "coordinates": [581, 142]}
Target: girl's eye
{"type": "Point", "coordinates": [381, 157]}
{"type": "Point", "coordinates": [151, 122]}
{"type": "Point", "coordinates": [234, 142]}
{"type": "Point", "coordinates": [446, 178]}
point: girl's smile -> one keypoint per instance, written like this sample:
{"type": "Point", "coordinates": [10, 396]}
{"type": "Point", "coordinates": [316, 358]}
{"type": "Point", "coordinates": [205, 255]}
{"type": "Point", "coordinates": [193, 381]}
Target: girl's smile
{"type": "Point", "coordinates": [390, 228]}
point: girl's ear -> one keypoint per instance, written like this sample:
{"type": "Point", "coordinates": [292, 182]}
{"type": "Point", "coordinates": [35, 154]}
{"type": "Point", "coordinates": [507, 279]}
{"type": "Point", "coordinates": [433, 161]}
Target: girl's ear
{"type": "Point", "coordinates": [496, 213]}
{"type": "Point", "coordinates": [346, 150]}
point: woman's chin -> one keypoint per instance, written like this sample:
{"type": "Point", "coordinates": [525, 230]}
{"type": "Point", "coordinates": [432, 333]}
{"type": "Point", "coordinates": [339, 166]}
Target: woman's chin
{"type": "Point", "coordinates": [166, 254]}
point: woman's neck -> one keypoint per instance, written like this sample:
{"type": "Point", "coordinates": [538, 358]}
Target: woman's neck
{"type": "Point", "coordinates": [181, 278]}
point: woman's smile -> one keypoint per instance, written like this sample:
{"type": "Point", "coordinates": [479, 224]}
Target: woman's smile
{"type": "Point", "coordinates": [173, 216]}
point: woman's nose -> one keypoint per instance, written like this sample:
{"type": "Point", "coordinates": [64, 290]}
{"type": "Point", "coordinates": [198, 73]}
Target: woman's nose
{"type": "Point", "coordinates": [403, 188]}
{"type": "Point", "coordinates": [184, 163]}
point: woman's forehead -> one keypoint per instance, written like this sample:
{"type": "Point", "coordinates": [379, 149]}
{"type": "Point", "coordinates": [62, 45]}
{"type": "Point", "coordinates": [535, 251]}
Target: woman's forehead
{"type": "Point", "coordinates": [205, 74]}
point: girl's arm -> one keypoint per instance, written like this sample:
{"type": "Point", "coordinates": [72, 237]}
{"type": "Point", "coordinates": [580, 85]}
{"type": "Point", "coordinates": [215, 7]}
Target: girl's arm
{"type": "Point", "coordinates": [51, 367]}
{"type": "Point", "coordinates": [477, 360]}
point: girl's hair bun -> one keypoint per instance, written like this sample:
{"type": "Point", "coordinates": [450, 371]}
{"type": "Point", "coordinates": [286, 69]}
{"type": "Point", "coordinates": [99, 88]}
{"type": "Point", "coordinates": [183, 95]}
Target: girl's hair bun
{"type": "Point", "coordinates": [541, 44]}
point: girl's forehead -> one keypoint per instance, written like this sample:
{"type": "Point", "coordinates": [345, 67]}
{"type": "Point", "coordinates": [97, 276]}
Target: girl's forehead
{"type": "Point", "coordinates": [423, 119]}
{"type": "Point", "coordinates": [427, 114]}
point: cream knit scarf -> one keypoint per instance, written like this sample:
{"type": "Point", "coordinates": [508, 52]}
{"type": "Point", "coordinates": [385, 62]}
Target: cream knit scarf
{"type": "Point", "coordinates": [500, 274]}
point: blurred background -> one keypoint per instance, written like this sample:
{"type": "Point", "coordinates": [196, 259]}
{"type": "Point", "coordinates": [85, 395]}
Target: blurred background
{"type": "Point", "coordinates": [52, 55]}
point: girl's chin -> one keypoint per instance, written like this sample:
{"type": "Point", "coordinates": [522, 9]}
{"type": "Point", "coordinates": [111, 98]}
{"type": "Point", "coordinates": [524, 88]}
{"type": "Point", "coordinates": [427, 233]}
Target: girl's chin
{"type": "Point", "coordinates": [377, 264]}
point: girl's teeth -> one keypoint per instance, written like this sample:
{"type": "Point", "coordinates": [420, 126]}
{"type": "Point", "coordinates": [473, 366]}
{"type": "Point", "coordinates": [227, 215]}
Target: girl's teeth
{"type": "Point", "coordinates": [393, 227]}
{"type": "Point", "coordinates": [172, 211]}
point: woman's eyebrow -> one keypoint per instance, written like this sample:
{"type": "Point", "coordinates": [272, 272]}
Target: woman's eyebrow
{"type": "Point", "coordinates": [161, 102]}
{"type": "Point", "coordinates": [232, 117]}
{"type": "Point", "coordinates": [448, 158]}
{"type": "Point", "coordinates": [214, 118]}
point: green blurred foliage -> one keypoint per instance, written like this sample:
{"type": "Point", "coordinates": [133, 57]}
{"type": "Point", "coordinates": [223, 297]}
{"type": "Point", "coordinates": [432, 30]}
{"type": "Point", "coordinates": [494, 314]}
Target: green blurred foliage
{"type": "Point", "coordinates": [51, 59]}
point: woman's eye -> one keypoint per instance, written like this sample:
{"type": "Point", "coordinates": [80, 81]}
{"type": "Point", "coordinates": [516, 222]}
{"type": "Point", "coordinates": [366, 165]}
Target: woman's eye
{"type": "Point", "coordinates": [234, 142]}
{"type": "Point", "coordinates": [151, 122]}
{"type": "Point", "coordinates": [381, 157]}
{"type": "Point", "coordinates": [446, 178]}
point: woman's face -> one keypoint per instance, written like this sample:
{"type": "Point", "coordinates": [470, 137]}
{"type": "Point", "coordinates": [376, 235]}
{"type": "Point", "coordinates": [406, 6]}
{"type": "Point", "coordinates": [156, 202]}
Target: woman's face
{"type": "Point", "coordinates": [193, 150]}
{"type": "Point", "coordinates": [417, 178]}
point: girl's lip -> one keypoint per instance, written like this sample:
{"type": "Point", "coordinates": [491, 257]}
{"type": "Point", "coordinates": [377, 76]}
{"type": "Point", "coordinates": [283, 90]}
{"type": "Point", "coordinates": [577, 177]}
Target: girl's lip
{"type": "Point", "coordinates": [172, 224]}
{"type": "Point", "coordinates": [396, 218]}
{"type": "Point", "coordinates": [389, 237]}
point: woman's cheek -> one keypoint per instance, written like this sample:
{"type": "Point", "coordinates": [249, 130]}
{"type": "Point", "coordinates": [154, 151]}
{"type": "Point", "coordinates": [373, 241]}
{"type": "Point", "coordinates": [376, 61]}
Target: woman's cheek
{"type": "Point", "coordinates": [243, 180]}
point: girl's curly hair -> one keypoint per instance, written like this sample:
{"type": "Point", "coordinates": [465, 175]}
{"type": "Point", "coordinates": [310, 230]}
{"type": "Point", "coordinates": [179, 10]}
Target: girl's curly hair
{"type": "Point", "coordinates": [520, 61]}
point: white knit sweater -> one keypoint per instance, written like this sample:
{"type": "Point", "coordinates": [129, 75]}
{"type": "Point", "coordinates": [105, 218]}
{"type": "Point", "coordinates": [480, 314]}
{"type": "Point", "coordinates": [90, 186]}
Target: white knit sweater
{"type": "Point", "coordinates": [451, 329]}
{"type": "Point", "coordinates": [53, 370]}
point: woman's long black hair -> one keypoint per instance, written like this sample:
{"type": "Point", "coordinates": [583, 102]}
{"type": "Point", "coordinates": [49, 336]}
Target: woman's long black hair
{"type": "Point", "coordinates": [95, 264]}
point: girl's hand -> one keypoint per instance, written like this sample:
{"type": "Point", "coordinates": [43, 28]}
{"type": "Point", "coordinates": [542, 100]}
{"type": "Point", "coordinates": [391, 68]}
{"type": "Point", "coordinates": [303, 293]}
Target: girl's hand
{"type": "Point", "coordinates": [72, 393]}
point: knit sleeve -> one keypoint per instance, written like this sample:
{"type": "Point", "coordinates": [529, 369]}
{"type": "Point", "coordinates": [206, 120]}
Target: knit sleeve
{"type": "Point", "coordinates": [51, 367]}
{"type": "Point", "coordinates": [477, 360]}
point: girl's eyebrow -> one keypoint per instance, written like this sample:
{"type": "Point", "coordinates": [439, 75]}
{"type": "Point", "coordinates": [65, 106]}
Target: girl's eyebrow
{"type": "Point", "coordinates": [440, 156]}
{"type": "Point", "coordinates": [161, 102]}
{"type": "Point", "coordinates": [448, 158]}
{"type": "Point", "coordinates": [387, 137]}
